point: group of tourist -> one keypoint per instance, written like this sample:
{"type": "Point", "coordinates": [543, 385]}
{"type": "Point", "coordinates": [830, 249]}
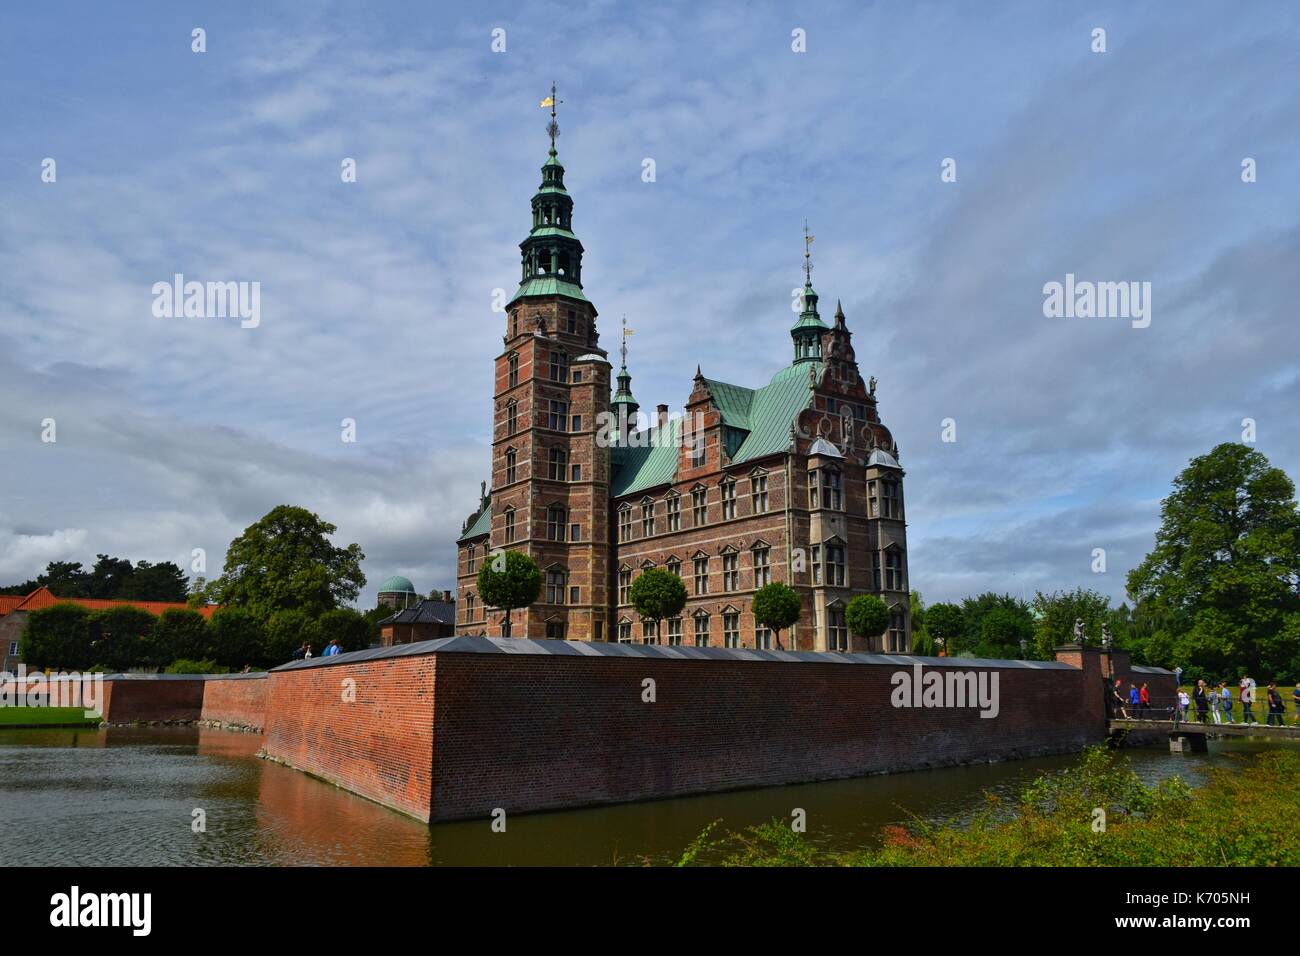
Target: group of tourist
{"type": "Point", "coordinates": [1212, 701]}
{"type": "Point", "coordinates": [304, 653]}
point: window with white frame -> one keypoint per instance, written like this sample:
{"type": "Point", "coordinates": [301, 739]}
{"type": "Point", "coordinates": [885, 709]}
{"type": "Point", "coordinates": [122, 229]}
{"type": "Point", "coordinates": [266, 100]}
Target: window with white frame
{"type": "Point", "coordinates": [762, 565]}
{"type": "Point", "coordinates": [892, 499]}
{"type": "Point", "coordinates": [673, 509]}
{"type": "Point", "coordinates": [701, 574]}
{"type": "Point", "coordinates": [835, 565]}
{"type": "Point", "coordinates": [624, 585]}
{"type": "Point", "coordinates": [558, 416]}
{"type": "Point", "coordinates": [728, 489]}
{"type": "Point", "coordinates": [893, 570]}
{"type": "Point", "coordinates": [556, 583]}
{"type": "Point", "coordinates": [674, 631]}
{"type": "Point", "coordinates": [837, 631]}
{"type": "Point", "coordinates": [512, 417]}
{"type": "Point", "coordinates": [558, 459]}
{"type": "Point", "coordinates": [512, 460]}
{"type": "Point", "coordinates": [625, 523]}
{"type": "Point", "coordinates": [674, 566]}
{"type": "Point", "coordinates": [510, 525]}
{"type": "Point", "coordinates": [625, 632]}
{"type": "Point", "coordinates": [700, 506]}
{"type": "Point", "coordinates": [701, 630]}
{"type": "Point", "coordinates": [556, 520]}
{"type": "Point", "coordinates": [731, 571]}
{"type": "Point", "coordinates": [731, 629]}
{"type": "Point", "coordinates": [559, 366]}
{"type": "Point", "coordinates": [763, 638]}
{"type": "Point", "coordinates": [647, 518]}
{"type": "Point", "coordinates": [513, 363]}
{"type": "Point", "coordinates": [758, 493]}
{"type": "Point", "coordinates": [897, 636]}
{"type": "Point", "coordinates": [648, 635]}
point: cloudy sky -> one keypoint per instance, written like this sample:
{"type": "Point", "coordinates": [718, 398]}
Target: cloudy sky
{"type": "Point", "coordinates": [174, 434]}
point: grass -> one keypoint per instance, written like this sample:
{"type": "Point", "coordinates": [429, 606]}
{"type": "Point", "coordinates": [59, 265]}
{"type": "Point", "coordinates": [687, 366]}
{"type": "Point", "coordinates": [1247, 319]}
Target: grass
{"type": "Point", "coordinates": [45, 717]}
{"type": "Point", "coordinates": [1247, 815]}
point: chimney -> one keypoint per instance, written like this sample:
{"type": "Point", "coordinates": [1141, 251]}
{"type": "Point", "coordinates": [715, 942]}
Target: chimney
{"type": "Point", "coordinates": [661, 415]}
{"type": "Point", "coordinates": [446, 597]}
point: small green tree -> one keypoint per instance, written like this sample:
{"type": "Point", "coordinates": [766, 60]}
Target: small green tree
{"type": "Point", "coordinates": [122, 637]}
{"type": "Point", "coordinates": [57, 637]}
{"type": "Point", "coordinates": [509, 580]}
{"type": "Point", "coordinates": [945, 623]}
{"type": "Point", "coordinates": [287, 631]}
{"type": "Point", "coordinates": [1057, 612]}
{"type": "Point", "coordinates": [350, 628]}
{"type": "Point", "coordinates": [867, 616]}
{"type": "Point", "coordinates": [1004, 634]}
{"type": "Point", "coordinates": [236, 638]}
{"type": "Point", "coordinates": [180, 634]}
{"type": "Point", "coordinates": [657, 594]}
{"type": "Point", "coordinates": [777, 606]}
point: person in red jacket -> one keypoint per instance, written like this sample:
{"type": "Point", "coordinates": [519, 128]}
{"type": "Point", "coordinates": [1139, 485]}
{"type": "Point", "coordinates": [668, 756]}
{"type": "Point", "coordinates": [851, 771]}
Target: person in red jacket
{"type": "Point", "coordinates": [1144, 700]}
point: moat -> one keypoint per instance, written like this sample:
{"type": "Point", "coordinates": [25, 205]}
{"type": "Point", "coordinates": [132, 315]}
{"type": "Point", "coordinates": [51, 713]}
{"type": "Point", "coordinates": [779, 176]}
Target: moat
{"type": "Point", "coordinates": [126, 796]}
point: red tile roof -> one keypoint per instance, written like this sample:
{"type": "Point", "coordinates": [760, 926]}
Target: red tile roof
{"type": "Point", "coordinates": [42, 597]}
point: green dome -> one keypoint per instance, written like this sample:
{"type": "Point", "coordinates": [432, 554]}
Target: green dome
{"type": "Point", "coordinates": [397, 584]}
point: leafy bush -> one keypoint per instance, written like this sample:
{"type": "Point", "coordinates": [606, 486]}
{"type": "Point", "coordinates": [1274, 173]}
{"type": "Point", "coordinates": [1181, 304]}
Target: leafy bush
{"type": "Point", "coordinates": [58, 637]}
{"type": "Point", "coordinates": [350, 628]}
{"type": "Point", "coordinates": [181, 634]}
{"type": "Point", "coordinates": [777, 606]}
{"type": "Point", "coordinates": [122, 637]}
{"type": "Point", "coordinates": [185, 666]}
{"type": "Point", "coordinates": [236, 638]}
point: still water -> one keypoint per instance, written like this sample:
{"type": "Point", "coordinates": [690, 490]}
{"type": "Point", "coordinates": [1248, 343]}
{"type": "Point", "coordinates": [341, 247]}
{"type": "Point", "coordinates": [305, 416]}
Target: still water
{"type": "Point", "coordinates": [126, 796]}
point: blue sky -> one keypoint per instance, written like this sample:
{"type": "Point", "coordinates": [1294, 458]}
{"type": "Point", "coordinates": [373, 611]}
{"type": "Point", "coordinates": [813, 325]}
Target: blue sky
{"type": "Point", "coordinates": [174, 434]}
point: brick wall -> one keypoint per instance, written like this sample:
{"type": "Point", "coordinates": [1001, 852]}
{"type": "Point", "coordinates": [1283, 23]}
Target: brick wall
{"type": "Point", "coordinates": [462, 728]}
{"type": "Point", "coordinates": [153, 697]}
{"type": "Point", "coordinates": [236, 700]}
{"type": "Point", "coordinates": [379, 745]}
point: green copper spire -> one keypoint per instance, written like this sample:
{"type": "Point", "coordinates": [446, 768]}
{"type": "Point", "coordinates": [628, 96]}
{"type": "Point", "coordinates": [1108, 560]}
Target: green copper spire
{"type": "Point", "coordinates": [807, 331]}
{"type": "Point", "coordinates": [623, 405]}
{"type": "Point", "coordinates": [551, 256]}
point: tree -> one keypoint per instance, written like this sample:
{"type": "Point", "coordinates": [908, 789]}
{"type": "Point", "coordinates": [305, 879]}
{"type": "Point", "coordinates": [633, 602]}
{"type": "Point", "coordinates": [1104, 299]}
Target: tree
{"type": "Point", "coordinates": [867, 616]}
{"type": "Point", "coordinates": [777, 606]}
{"type": "Point", "coordinates": [1057, 612]}
{"type": "Point", "coordinates": [236, 638]}
{"type": "Point", "coordinates": [352, 629]}
{"type": "Point", "coordinates": [945, 623]}
{"type": "Point", "coordinates": [122, 637]}
{"type": "Point", "coordinates": [509, 580]}
{"type": "Point", "coordinates": [57, 637]}
{"type": "Point", "coordinates": [154, 582]}
{"type": "Point", "coordinates": [285, 561]}
{"type": "Point", "coordinates": [285, 632]}
{"type": "Point", "coordinates": [657, 594]}
{"type": "Point", "coordinates": [1220, 585]}
{"type": "Point", "coordinates": [1004, 634]}
{"type": "Point", "coordinates": [973, 611]}
{"type": "Point", "coordinates": [181, 633]}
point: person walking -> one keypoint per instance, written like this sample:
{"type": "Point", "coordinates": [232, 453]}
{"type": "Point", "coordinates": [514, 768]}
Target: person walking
{"type": "Point", "coordinates": [1134, 700]}
{"type": "Point", "coordinates": [1295, 701]}
{"type": "Point", "coordinates": [1183, 703]}
{"type": "Point", "coordinates": [333, 648]}
{"type": "Point", "coordinates": [1247, 700]}
{"type": "Point", "coordinates": [1225, 700]}
{"type": "Point", "coordinates": [1275, 708]}
{"type": "Point", "coordinates": [1117, 699]}
{"type": "Point", "coordinates": [1144, 700]}
{"type": "Point", "coordinates": [1202, 699]}
{"type": "Point", "coordinates": [1216, 703]}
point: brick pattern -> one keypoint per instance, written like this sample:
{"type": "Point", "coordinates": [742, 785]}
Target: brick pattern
{"type": "Point", "coordinates": [379, 746]}
{"type": "Point", "coordinates": [237, 702]}
{"type": "Point", "coordinates": [129, 700]}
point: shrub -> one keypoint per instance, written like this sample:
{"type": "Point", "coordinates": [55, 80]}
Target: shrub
{"type": "Point", "coordinates": [122, 637]}
{"type": "Point", "coordinates": [350, 628]}
{"type": "Point", "coordinates": [236, 638]}
{"type": "Point", "coordinates": [185, 666]}
{"type": "Point", "coordinates": [181, 634]}
{"type": "Point", "coordinates": [867, 616]}
{"type": "Point", "coordinates": [57, 637]}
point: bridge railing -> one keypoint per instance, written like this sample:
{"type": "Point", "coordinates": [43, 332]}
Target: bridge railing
{"type": "Point", "coordinates": [1167, 708]}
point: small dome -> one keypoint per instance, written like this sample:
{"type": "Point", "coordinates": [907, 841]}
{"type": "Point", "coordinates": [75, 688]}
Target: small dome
{"type": "Point", "coordinates": [397, 585]}
{"type": "Point", "coordinates": [882, 459]}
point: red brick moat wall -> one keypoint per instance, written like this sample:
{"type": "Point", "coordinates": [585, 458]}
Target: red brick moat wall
{"type": "Point", "coordinates": [236, 700]}
{"type": "Point", "coordinates": [457, 728]}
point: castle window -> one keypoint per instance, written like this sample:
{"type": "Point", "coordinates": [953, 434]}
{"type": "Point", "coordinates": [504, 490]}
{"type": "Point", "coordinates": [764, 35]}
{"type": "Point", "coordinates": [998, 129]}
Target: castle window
{"type": "Point", "coordinates": [758, 493]}
{"type": "Point", "coordinates": [762, 566]}
{"type": "Point", "coordinates": [555, 630]}
{"type": "Point", "coordinates": [558, 459]}
{"type": "Point", "coordinates": [731, 629]}
{"type": "Point", "coordinates": [559, 415]}
{"type": "Point", "coordinates": [624, 585]}
{"type": "Point", "coordinates": [763, 638]}
{"type": "Point", "coordinates": [574, 532]}
{"type": "Point", "coordinates": [728, 499]}
{"type": "Point", "coordinates": [893, 503]}
{"type": "Point", "coordinates": [470, 559]}
{"type": "Point", "coordinates": [625, 523]}
{"type": "Point", "coordinates": [835, 565]}
{"type": "Point", "coordinates": [875, 569]}
{"type": "Point", "coordinates": [731, 571]}
{"type": "Point", "coordinates": [510, 525]}
{"type": "Point", "coordinates": [697, 449]}
{"type": "Point", "coordinates": [512, 417]}
{"type": "Point", "coordinates": [873, 499]}
{"type": "Point", "coordinates": [469, 608]}
{"type": "Point", "coordinates": [559, 366]}
{"type": "Point", "coordinates": [514, 366]}
{"type": "Point", "coordinates": [556, 583]}
{"type": "Point", "coordinates": [574, 594]}
{"type": "Point", "coordinates": [673, 509]}
{"type": "Point", "coordinates": [702, 574]}
{"type": "Point", "coordinates": [701, 629]}
{"type": "Point", "coordinates": [647, 518]}
{"type": "Point", "coordinates": [824, 488]}
{"type": "Point", "coordinates": [648, 635]}
{"type": "Point", "coordinates": [897, 632]}
{"type": "Point", "coordinates": [700, 506]}
{"type": "Point", "coordinates": [674, 631]}
{"type": "Point", "coordinates": [575, 473]}
{"type": "Point", "coordinates": [625, 632]}
{"type": "Point", "coordinates": [893, 570]}
{"type": "Point", "coordinates": [577, 423]}
{"type": "Point", "coordinates": [573, 322]}
{"type": "Point", "coordinates": [511, 470]}
{"type": "Point", "coordinates": [556, 519]}
{"type": "Point", "coordinates": [816, 564]}
{"type": "Point", "coordinates": [674, 566]}
{"type": "Point", "coordinates": [837, 632]}
{"type": "Point", "coordinates": [514, 322]}
{"type": "Point", "coordinates": [577, 376]}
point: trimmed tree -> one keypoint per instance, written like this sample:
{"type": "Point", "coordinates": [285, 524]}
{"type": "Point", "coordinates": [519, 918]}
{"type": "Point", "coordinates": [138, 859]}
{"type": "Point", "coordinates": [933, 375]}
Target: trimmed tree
{"type": "Point", "coordinates": [236, 638]}
{"type": "Point", "coordinates": [867, 616]}
{"type": "Point", "coordinates": [777, 606]}
{"type": "Point", "coordinates": [509, 580]}
{"type": "Point", "coordinates": [180, 634]}
{"type": "Point", "coordinates": [57, 637]}
{"type": "Point", "coordinates": [122, 637]}
{"type": "Point", "coordinates": [945, 623]}
{"type": "Point", "coordinates": [657, 594]}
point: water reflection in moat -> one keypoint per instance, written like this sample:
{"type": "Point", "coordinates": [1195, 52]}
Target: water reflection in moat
{"type": "Point", "coordinates": [128, 795]}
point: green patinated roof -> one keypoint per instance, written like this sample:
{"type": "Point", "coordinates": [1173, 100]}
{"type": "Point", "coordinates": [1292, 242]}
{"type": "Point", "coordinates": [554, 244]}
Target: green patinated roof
{"type": "Point", "coordinates": [762, 416]}
{"type": "Point", "coordinates": [550, 285]}
{"type": "Point", "coordinates": [479, 526]}
{"type": "Point", "coordinates": [809, 320]}
{"type": "Point", "coordinates": [552, 231]}
{"type": "Point", "coordinates": [397, 583]}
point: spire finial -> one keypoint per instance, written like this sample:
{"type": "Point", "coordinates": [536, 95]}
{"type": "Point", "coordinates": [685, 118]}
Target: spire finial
{"type": "Point", "coordinates": [807, 254]}
{"type": "Point", "coordinates": [623, 347]}
{"type": "Point", "coordinates": [553, 128]}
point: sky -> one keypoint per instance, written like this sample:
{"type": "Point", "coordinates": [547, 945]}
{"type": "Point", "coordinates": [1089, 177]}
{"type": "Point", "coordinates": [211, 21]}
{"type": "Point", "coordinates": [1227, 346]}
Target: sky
{"type": "Point", "coordinates": [173, 434]}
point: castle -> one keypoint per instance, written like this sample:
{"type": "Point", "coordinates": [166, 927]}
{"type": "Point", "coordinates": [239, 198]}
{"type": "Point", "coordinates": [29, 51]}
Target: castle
{"type": "Point", "coordinates": [795, 481]}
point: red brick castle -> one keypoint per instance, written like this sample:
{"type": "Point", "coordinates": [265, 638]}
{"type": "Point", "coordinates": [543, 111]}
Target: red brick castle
{"type": "Point", "coordinates": [796, 480]}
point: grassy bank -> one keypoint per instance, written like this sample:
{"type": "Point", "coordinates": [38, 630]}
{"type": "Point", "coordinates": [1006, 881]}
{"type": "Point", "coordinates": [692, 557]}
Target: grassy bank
{"type": "Point", "coordinates": [45, 717]}
{"type": "Point", "coordinates": [1247, 815]}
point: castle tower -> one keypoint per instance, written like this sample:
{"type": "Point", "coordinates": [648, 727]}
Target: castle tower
{"type": "Point", "coordinates": [550, 477]}
{"type": "Point", "coordinates": [807, 331]}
